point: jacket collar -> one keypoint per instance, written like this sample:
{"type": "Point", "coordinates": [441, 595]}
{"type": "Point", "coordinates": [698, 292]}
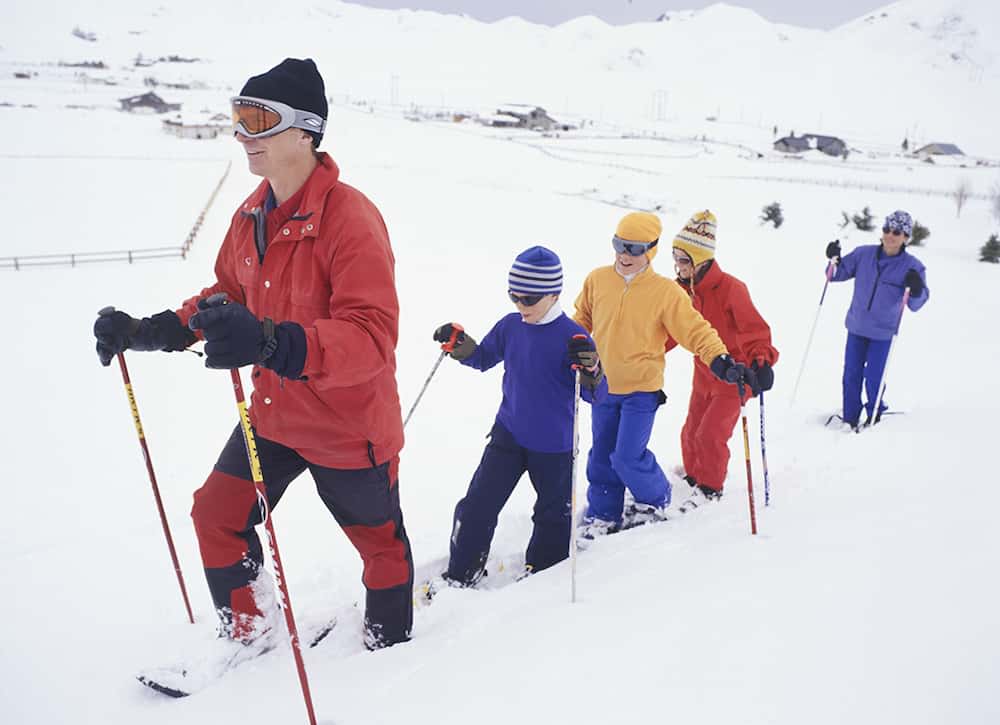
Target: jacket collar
{"type": "Point", "coordinates": [711, 279]}
{"type": "Point", "coordinates": [324, 177]}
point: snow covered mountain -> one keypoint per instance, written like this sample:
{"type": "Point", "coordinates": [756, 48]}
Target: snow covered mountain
{"type": "Point", "coordinates": [929, 65]}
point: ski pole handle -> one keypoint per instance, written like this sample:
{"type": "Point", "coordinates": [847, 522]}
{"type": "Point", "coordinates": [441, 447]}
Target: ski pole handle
{"type": "Point", "coordinates": [456, 330]}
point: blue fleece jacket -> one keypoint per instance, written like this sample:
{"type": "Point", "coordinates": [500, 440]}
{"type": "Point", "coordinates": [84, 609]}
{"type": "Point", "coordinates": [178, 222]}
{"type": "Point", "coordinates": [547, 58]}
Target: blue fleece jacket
{"type": "Point", "coordinates": [537, 405]}
{"type": "Point", "coordinates": [878, 289]}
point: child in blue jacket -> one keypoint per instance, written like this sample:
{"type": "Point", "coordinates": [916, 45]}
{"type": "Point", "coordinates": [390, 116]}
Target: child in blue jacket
{"type": "Point", "coordinates": [533, 430]}
{"type": "Point", "coordinates": [881, 273]}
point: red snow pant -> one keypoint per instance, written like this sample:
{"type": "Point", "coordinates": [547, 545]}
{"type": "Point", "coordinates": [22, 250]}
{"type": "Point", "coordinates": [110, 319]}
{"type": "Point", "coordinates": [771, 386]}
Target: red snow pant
{"type": "Point", "coordinates": [712, 415]}
{"type": "Point", "coordinates": [365, 502]}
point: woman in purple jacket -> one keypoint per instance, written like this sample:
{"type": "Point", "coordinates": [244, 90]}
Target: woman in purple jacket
{"type": "Point", "coordinates": [881, 273]}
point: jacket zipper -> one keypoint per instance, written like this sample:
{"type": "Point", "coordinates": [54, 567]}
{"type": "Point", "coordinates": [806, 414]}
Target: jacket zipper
{"type": "Point", "coordinates": [878, 275]}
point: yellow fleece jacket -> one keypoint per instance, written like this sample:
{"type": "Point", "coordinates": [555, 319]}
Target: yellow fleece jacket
{"type": "Point", "coordinates": [631, 321]}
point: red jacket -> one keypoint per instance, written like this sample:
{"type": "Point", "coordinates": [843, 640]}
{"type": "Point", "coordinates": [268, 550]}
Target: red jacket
{"type": "Point", "coordinates": [330, 268]}
{"type": "Point", "coordinates": [725, 302]}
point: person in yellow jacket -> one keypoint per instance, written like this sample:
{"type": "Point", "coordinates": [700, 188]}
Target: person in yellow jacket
{"type": "Point", "coordinates": [631, 311]}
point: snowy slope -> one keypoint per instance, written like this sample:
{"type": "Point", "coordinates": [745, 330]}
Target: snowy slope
{"type": "Point", "coordinates": [868, 596]}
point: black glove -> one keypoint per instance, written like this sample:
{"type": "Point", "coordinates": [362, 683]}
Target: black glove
{"type": "Point", "coordinates": [733, 372]}
{"type": "Point", "coordinates": [764, 373]}
{"type": "Point", "coordinates": [116, 332]}
{"type": "Point", "coordinates": [583, 356]}
{"type": "Point", "coordinates": [833, 251]}
{"type": "Point", "coordinates": [463, 345]}
{"type": "Point", "coordinates": [234, 338]}
{"type": "Point", "coordinates": [914, 282]}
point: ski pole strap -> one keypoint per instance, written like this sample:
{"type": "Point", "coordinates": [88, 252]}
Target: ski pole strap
{"type": "Point", "coordinates": [456, 330]}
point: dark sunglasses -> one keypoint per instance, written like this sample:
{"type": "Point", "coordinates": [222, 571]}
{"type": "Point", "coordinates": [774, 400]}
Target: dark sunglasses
{"type": "Point", "coordinates": [635, 249]}
{"type": "Point", "coordinates": [525, 300]}
{"type": "Point", "coordinates": [890, 230]}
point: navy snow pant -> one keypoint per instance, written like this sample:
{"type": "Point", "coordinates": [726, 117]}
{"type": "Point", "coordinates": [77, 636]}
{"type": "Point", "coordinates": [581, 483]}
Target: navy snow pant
{"type": "Point", "coordinates": [475, 520]}
{"type": "Point", "coordinates": [365, 502]}
{"type": "Point", "coordinates": [864, 364]}
{"type": "Point", "coordinates": [619, 458]}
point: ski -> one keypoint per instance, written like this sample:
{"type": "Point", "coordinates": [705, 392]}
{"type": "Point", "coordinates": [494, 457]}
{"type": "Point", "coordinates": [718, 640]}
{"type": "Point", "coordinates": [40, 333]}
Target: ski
{"type": "Point", "coordinates": [178, 682]}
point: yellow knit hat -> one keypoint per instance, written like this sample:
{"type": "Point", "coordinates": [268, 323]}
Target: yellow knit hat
{"type": "Point", "coordinates": [697, 238]}
{"type": "Point", "coordinates": [642, 227]}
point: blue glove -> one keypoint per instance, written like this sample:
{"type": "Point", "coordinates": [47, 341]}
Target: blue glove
{"type": "Point", "coordinates": [764, 373]}
{"type": "Point", "coordinates": [234, 338]}
{"type": "Point", "coordinates": [116, 332]}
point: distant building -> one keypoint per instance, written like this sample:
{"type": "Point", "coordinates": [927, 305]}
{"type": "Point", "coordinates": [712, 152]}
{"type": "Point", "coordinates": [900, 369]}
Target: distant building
{"type": "Point", "coordinates": [147, 103]}
{"type": "Point", "coordinates": [939, 149]}
{"type": "Point", "coordinates": [830, 145]}
{"type": "Point", "coordinates": [202, 126]}
{"type": "Point", "coordinates": [522, 115]}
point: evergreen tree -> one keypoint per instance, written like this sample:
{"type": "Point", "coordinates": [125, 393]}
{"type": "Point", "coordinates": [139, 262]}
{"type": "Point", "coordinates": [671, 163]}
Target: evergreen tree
{"type": "Point", "coordinates": [772, 213]}
{"type": "Point", "coordinates": [920, 233]}
{"type": "Point", "coordinates": [990, 252]}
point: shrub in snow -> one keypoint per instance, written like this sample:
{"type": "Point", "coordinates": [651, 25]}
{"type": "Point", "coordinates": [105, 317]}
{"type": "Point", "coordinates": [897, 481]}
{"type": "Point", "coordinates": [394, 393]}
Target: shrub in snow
{"type": "Point", "coordinates": [864, 221]}
{"type": "Point", "coordinates": [990, 252]}
{"type": "Point", "coordinates": [772, 213]}
{"type": "Point", "coordinates": [920, 233]}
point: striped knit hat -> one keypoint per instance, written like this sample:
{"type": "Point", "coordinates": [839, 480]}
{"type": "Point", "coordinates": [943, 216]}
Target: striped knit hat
{"type": "Point", "coordinates": [536, 271]}
{"type": "Point", "coordinates": [697, 238]}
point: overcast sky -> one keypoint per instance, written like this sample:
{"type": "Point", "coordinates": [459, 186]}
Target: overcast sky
{"type": "Point", "coordinates": [824, 14]}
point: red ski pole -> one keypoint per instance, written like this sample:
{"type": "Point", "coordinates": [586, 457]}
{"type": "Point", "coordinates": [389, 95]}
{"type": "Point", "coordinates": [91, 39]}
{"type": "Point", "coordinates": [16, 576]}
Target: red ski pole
{"type": "Point", "coordinates": [152, 477]}
{"type": "Point", "coordinates": [272, 540]}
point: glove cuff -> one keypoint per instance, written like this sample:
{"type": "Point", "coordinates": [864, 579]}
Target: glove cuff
{"type": "Point", "coordinates": [284, 350]}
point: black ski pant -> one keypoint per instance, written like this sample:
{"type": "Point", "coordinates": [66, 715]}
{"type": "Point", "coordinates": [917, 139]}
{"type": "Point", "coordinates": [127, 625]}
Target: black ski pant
{"type": "Point", "coordinates": [365, 502]}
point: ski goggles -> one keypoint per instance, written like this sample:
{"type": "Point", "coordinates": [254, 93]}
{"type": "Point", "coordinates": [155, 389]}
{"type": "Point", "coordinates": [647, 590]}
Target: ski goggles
{"type": "Point", "coordinates": [525, 300]}
{"type": "Point", "coordinates": [260, 118]}
{"type": "Point", "coordinates": [635, 249]}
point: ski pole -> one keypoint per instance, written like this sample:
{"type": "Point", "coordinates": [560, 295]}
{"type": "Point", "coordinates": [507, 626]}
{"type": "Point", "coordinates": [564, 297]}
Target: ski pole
{"type": "Point", "coordinates": [152, 476]}
{"type": "Point", "coordinates": [746, 451]}
{"type": "Point", "coordinates": [446, 347]}
{"type": "Point", "coordinates": [763, 454]}
{"type": "Point", "coordinates": [272, 539]}
{"type": "Point", "coordinates": [830, 267]}
{"type": "Point", "coordinates": [572, 479]}
{"type": "Point", "coordinates": [888, 357]}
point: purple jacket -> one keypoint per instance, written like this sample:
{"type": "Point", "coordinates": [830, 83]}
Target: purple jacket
{"type": "Point", "coordinates": [878, 289]}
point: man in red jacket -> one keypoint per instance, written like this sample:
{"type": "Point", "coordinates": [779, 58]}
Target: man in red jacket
{"type": "Point", "coordinates": [714, 409]}
{"type": "Point", "coordinates": [308, 274]}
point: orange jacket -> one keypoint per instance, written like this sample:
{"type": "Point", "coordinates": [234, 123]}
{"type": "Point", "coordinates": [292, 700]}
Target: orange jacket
{"type": "Point", "coordinates": [330, 268]}
{"type": "Point", "coordinates": [725, 302]}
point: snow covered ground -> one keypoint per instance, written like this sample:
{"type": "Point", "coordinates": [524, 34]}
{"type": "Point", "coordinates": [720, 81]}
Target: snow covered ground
{"type": "Point", "coordinates": [869, 595]}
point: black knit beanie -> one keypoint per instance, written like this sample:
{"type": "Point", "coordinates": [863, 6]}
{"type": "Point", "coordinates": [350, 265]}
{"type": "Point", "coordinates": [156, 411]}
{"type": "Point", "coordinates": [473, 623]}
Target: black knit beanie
{"type": "Point", "coordinates": [294, 82]}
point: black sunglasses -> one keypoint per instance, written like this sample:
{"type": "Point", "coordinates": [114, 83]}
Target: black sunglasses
{"type": "Point", "coordinates": [890, 230]}
{"type": "Point", "coordinates": [526, 300]}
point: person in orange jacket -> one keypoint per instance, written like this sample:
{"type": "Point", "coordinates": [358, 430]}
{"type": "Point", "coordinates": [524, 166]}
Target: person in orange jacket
{"type": "Point", "coordinates": [714, 408]}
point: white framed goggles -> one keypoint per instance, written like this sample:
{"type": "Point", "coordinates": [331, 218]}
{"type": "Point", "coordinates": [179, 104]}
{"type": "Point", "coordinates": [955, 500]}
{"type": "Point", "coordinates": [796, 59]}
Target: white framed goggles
{"type": "Point", "coordinates": [259, 117]}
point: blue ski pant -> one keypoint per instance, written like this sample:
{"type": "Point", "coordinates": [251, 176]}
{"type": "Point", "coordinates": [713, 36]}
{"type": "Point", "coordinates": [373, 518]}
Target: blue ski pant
{"type": "Point", "coordinates": [619, 458]}
{"type": "Point", "coordinates": [503, 463]}
{"type": "Point", "coordinates": [864, 364]}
